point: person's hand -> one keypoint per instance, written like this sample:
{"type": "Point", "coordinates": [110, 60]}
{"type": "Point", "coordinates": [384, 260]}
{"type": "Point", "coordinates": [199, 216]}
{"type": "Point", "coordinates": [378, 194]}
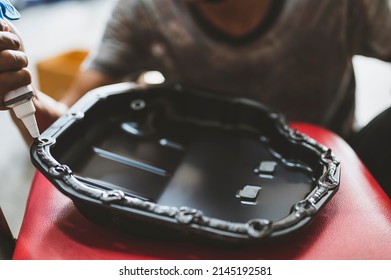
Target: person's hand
{"type": "Point", "coordinates": [13, 62]}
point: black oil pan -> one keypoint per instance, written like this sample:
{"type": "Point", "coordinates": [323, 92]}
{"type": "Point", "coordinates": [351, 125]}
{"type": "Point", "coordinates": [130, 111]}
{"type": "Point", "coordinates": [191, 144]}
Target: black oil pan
{"type": "Point", "coordinates": [175, 162]}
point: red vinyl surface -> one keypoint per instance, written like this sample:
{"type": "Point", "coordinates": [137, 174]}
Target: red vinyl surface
{"type": "Point", "coordinates": [355, 224]}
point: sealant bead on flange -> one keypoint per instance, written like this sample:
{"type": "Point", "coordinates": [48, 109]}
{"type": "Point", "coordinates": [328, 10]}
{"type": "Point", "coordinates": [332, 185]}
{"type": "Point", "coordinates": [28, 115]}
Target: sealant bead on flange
{"type": "Point", "coordinates": [59, 171]}
{"type": "Point", "coordinates": [259, 228]}
{"type": "Point", "coordinates": [43, 141]}
{"type": "Point", "coordinates": [76, 115]}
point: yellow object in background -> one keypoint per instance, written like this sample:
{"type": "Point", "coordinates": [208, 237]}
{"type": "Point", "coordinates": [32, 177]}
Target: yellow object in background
{"type": "Point", "coordinates": [57, 73]}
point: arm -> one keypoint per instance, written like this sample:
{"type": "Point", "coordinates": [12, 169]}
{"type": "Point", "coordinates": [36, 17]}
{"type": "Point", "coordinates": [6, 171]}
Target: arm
{"type": "Point", "coordinates": [84, 82]}
{"type": "Point", "coordinates": [370, 25]}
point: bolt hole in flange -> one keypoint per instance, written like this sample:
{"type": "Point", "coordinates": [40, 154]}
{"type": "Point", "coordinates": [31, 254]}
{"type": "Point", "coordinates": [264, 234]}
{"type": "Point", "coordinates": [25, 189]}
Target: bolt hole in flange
{"type": "Point", "coordinates": [76, 115]}
{"type": "Point", "coordinates": [137, 104]}
{"type": "Point", "coordinates": [258, 228]}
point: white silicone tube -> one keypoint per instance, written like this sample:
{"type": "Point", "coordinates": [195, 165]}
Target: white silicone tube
{"type": "Point", "coordinates": [20, 100]}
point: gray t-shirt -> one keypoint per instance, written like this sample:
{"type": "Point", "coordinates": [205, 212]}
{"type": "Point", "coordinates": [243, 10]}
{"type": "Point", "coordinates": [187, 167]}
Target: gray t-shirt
{"type": "Point", "coordinates": [299, 62]}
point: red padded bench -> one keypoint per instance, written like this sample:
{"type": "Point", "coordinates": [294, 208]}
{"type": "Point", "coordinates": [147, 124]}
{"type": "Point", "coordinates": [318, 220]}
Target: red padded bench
{"type": "Point", "coordinates": [355, 224]}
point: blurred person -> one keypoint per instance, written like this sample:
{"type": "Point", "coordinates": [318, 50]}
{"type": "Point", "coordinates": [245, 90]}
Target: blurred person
{"type": "Point", "coordinates": [294, 56]}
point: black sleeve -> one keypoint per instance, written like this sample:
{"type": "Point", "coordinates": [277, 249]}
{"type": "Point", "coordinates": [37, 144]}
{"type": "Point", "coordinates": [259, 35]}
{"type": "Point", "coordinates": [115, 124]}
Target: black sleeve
{"type": "Point", "coordinates": [370, 28]}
